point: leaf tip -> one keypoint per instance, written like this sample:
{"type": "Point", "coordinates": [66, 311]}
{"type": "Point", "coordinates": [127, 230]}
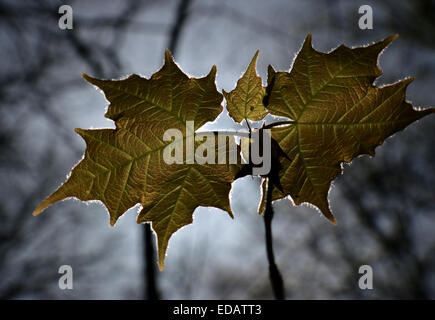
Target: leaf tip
{"type": "Point", "coordinates": [326, 211]}
{"type": "Point", "coordinates": [386, 42]}
{"type": "Point", "coordinates": [394, 36]}
{"type": "Point", "coordinates": [39, 209]}
{"type": "Point", "coordinates": [255, 57]}
{"type": "Point", "coordinates": [408, 80]}
{"type": "Point", "coordinates": [112, 222]}
{"type": "Point", "coordinates": [79, 131]}
{"type": "Point", "coordinates": [88, 78]}
{"type": "Point", "coordinates": [161, 254]}
{"type": "Point", "coordinates": [252, 67]}
{"type": "Point", "coordinates": [161, 266]}
{"type": "Point", "coordinates": [168, 56]}
{"type": "Point", "coordinates": [308, 40]}
{"type": "Point", "coordinates": [212, 73]}
{"type": "Point", "coordinates": [332, 220]}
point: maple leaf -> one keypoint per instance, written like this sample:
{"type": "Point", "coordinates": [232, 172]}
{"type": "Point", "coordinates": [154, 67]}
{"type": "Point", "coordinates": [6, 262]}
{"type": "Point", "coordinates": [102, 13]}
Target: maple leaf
{"type": "Point", "coordinates": [336, 114]}
{"type": "Point", "coordinates": [246, 100]}
{"type": "Point", "coordinates": [124, 166]}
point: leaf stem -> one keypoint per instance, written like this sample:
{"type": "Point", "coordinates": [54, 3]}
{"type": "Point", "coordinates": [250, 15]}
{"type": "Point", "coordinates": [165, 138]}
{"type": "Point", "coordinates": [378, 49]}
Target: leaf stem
{"type": "Point", "coordinates": [246, 134]}
{"type": "Point", "coordinates": [247, 122]}
{"type": "Point", "coordinates": [279, 123]}
{"type": "Point", "coordinates": [229, 133]}
{"type": "Point", "coordinates": [274, 273]}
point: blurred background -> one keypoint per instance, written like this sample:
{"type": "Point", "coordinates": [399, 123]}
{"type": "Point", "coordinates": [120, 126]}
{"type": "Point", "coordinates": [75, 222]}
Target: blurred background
{"type": "Point", "coordinates": [384, 206]}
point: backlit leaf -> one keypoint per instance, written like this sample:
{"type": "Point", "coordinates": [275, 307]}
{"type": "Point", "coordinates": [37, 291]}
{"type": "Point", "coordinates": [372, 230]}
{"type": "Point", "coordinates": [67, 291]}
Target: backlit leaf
{"type": "Point", "coordinates": [124, 166]}
{"type": "Point", "coordinates": [246, 100]}
{"type": "Point", "coordinates": [337, 115]}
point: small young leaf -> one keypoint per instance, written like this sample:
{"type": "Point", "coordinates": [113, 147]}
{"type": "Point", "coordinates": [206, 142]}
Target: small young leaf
{"type": "Point", "coordinates": [246, 100]}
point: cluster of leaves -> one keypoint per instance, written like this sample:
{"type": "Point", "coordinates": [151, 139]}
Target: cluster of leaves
{"type": "Point", "coordinates": [335, 114]}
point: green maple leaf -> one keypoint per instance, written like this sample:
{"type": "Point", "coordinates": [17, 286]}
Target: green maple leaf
{"type": "Point", "coordinates": [336, 114]}
{"type": "Point", "coordinates": [246, 100]}
{"type": "Point", "coordinates": [124, 166]}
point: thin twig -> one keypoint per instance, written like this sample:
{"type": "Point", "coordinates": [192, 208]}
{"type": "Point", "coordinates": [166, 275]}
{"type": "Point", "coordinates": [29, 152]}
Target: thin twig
{"type": "Point", "coordinates": [151, 291]}
{"type": "Point", "coordinates": [274, 274]}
